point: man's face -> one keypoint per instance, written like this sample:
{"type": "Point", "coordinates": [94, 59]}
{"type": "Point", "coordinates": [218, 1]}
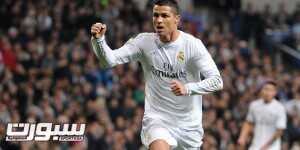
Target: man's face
{"type": "Point", "coordinates": [165, 20]}
{"type": "Point", "coordinates": [268, 92]}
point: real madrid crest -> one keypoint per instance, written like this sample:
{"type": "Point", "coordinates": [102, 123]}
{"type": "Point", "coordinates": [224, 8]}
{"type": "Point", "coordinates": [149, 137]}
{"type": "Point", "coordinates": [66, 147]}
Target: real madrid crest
{"type": "Point", "coordinates": [180, 57]}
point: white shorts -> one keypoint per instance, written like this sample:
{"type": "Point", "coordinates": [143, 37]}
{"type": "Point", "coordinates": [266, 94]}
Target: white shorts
{"type": "Point", "coordinates": [178, 139]}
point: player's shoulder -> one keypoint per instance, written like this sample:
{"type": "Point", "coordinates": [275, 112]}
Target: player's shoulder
{"type": "Point", "coordinates": [278, 104]}
{"type": "Point", "coordinates": [146, 35]}
{"type": "Point", "coordinates": [193, 43]}
{"type": "Point", "coordinates": [256, 102]}
{"type": "Point", "coordinates": [142, 38]}
{"type": "Point", "coordinates": [189, 37]}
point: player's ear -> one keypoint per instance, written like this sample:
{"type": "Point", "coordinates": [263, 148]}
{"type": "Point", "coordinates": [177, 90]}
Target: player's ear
{"type": "Point", "coordinates": [177, 19]}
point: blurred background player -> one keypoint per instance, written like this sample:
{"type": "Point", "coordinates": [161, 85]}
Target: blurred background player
{"type": "Point", "coordinates": [266, 118]}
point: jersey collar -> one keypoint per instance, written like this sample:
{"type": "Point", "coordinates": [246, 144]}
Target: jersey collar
{"type": "Point", "coordinates": [170, 44]}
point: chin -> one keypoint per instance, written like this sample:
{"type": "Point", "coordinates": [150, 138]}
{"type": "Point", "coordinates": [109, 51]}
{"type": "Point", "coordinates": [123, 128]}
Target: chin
{"type": "Point", "coordinates": [161, 33]}
{"type": "Point", "coordinates": [268, 99]}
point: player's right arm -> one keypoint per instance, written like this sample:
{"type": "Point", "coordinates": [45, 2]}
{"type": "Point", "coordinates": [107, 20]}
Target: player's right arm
{"type": "Point", "coordinates": [108, 57]}
{"type": "Point", "coordinates": [247, 127]}
{"type": "Point", "coordinates": [246, 130]}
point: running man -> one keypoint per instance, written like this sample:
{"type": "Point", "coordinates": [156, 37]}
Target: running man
{"type": "Point", "coordinates": [173, 64]}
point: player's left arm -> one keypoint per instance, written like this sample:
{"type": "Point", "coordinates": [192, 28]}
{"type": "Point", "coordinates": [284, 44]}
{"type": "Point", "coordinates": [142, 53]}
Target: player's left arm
{"type": "Point", "coordinates": [202, 62]}
{"type": "Point", "coordinates": [280, 125]}
{"type": "Point", "coordinates": [275, 136]}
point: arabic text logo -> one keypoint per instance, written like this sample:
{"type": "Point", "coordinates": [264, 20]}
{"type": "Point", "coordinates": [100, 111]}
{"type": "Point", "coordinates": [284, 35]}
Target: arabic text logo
{"type": "Point", "coordinates": [44, 132]}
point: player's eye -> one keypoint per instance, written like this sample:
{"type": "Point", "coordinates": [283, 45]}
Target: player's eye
{"type": "Point", "coordinates": [165, 15]}
{"type": "Point", "coordinates": [155, 15]}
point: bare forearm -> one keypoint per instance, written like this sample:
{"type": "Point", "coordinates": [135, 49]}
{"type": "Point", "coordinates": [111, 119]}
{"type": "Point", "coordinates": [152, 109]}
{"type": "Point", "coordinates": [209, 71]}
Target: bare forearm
{"type": "Point", "coordinates": [246, 129]}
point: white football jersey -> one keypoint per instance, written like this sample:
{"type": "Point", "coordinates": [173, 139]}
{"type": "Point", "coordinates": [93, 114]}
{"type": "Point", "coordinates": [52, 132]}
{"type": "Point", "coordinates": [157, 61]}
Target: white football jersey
{"type": "Point", "coordinates": [267, 118]}
{"type": "Point", "coordinates": [183, 59]}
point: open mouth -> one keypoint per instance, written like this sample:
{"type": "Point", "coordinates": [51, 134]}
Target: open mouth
{"type": "Point", "coordinates": [159, 28]}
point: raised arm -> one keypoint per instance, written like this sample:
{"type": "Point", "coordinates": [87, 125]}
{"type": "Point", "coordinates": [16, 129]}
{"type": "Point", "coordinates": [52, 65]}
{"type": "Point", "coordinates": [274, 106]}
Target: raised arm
{"type": "Point", "coordinates": [108, 57]}
{"type": "Point", "coordinates": [203, 63]}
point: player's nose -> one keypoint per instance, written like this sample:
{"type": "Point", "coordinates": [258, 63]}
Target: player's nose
{"type": "Point", "coordinates": [159, 19]}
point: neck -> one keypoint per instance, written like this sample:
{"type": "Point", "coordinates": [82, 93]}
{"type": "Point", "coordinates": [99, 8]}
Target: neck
{"type": "Point", "coordinates": [170, 37]}
{"type": "Point", "coordinates": [267, 100]}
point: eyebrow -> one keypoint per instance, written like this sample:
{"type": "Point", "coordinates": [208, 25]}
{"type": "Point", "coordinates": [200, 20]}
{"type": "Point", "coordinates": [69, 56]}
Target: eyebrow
{"type": "Point", "coordinates": [161, 13]}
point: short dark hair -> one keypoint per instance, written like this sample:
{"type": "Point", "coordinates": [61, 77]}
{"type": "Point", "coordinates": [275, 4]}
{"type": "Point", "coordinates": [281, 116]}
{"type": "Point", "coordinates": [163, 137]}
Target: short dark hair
{"type": "Point", "coordinates": [265, 82]}
{"type": "Point", "coordinates": [171, 3]}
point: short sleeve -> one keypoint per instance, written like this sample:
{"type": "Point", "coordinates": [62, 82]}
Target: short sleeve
{"type": "Point", "coordinates": [281, 119]}
{"type": "Point", "coordinates": [250, 115]}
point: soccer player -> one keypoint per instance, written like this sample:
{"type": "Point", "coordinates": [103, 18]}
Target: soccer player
{"type": "Point", "coordinates": [173, 63]}
{"type": "Point", "coordinates": [268, 118]}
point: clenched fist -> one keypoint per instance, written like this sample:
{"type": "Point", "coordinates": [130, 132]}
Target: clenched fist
{"type": "Point", "coordinates": [98, 30]}
{"type": "Point", "coordinates": [178, 88]}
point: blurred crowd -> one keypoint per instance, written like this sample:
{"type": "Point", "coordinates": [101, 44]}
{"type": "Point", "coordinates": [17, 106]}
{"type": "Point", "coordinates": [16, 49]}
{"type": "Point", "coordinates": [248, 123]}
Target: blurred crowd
{"type": "Point", "coordinates": [268, 27]}
{"type": "Point", "coordinates": [48, 73]}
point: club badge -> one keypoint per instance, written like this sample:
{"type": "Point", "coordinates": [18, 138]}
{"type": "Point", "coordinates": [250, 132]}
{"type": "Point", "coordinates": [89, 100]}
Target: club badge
{"type": "Point", "coordinates": [180, 56]}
